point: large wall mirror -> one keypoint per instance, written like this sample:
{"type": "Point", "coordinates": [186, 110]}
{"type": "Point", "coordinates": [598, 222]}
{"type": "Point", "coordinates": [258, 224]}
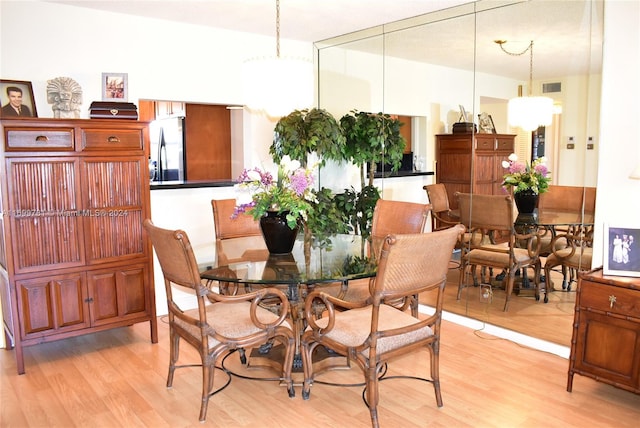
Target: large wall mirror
{"type": "Point", "coordinates": [428, 66]}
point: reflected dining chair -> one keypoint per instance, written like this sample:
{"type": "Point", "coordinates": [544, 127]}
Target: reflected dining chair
{"type": "Point", "coordinates": [442, 216]}
{"type": "Point", "coordinates": [374, 332]}
{"type": "Point", "coordinates": [571, 250]}
{"type": "Point", "coordinates": [486, 214]}
{"type": "Point", "coordinates": [217, 324]}
{"type": "Point", "coordinates": [390, 217]}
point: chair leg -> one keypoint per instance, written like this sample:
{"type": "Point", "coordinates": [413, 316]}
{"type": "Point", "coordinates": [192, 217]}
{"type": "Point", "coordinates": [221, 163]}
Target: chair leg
{"type": "Point", "coordinates": [208, 371]}
{"type": "Point", "coordinates": [372, 394]}
{"type": "Point", "coordinates": [434, 350]}
{"type": "Point", "coordinates": [307, 366]}
{"type": "Point", "coordinates": [174, 351]}
{"type": "Point", "coordinates": [509, 287]}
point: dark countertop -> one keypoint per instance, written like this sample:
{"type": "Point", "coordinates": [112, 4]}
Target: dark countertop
{"type": "Point", "coordinates": [188, 184]}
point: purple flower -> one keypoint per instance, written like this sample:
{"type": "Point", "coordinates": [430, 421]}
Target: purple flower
{"type": "Point", "coordinates": [541, 169]}
{"type": "Point", "coordinates": [517, 167]}
{"type": "Point", "coordinates": [300, 182]}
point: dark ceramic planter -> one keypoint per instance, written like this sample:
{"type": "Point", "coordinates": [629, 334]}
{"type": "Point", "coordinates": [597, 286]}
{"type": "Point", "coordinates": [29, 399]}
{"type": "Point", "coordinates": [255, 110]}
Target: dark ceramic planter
{"type": "Point", "coordinates": [526, 201]}
{"type": "Point", "coordinates": [278, 236]}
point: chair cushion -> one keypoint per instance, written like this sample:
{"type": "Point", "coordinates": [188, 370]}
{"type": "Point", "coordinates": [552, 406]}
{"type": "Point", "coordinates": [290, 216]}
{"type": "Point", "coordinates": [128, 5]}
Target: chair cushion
{"type": "Point", "coordinates": [499, 259]}
{"type": "Point", "coordinates": [231, 320]}
{"type": "Point", "coordinates": [353, 327]}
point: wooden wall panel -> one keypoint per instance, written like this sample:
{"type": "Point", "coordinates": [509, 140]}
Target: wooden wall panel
{"type": "Point", "coordinates": [207, 142]}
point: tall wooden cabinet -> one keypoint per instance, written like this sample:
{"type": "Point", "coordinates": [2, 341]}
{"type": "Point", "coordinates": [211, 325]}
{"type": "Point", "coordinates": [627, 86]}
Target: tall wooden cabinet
{"type": "Point", "coordinates": [472, 163]}
{"type": "Point", "coordinates": [74, 257]}
{"type": "Point", "coordinates": [606, 331]}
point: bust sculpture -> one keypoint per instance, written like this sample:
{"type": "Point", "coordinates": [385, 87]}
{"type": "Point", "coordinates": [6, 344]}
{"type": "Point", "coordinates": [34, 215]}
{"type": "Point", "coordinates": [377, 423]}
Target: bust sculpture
{"type": "Point", "coordinates": [65, 96]}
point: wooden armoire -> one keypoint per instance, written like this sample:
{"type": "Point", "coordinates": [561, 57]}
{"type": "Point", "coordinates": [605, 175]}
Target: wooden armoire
{"type": "Point", "coordinates": [472, 163]}
{"type": "Point", "coordinates": [74, 256]}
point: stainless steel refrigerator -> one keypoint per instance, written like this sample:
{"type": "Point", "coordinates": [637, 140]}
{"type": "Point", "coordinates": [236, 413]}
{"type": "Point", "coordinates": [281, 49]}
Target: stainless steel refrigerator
{"type": "Point", "coordinates": [167, 149]}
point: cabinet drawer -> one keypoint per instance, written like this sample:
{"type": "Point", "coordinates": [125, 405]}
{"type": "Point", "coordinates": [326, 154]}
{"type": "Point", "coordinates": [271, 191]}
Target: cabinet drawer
{"type": "Point", "coordinates": [485, 144]}
{"type": "Point", "coordinates": [39, 139]}
{"type": "Point", "coordinates": [599, 297]}
{"type": "Point", "coordinates": [505, 144]}
{"type": "Point", "coordinates": [112, 139]}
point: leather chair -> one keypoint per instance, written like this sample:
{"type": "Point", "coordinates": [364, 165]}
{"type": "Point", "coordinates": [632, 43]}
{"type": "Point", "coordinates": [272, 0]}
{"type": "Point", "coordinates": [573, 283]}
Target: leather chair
{"type": "Point", "coordinates": [374, 332]}
{"type": "Point", "coordinates": [485, 214]}
{"type": "Point", "coordinates": [390, 217]}
{"type": "Point", "coordinates": [218, 324]}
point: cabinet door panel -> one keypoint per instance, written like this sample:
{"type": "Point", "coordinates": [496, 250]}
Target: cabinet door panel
{"type": "Point", "coordinates": [118, 294]}
{"type": "Point", "coordinates": [113, 201]}
{"type": "Point", "coordinates": [608, 348]}
{"type": "Point", "coordinates": [45, 219]}
{"type": "Point", "coordinates": [112, 184]}
{"type": "Point", "coordinates": [52, 305]}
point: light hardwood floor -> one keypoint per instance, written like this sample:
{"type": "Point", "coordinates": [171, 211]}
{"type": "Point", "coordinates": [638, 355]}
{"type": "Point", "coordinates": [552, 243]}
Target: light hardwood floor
{"type": "Point", "coordinates": [552, 321]}
{"type": "Point", "coordinates": [117, 379]}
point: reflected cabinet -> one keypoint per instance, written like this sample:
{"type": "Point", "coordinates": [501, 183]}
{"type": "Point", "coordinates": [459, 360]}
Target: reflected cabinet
{"type": "Point", "coordinates": [472, 163]}
{"type": "Point", "coordinates": [74, 256]}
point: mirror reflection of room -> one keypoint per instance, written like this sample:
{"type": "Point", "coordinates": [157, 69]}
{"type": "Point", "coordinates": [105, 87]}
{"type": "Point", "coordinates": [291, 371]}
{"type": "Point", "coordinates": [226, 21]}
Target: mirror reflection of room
{"type": "Point", "coordinates": [399, 70]}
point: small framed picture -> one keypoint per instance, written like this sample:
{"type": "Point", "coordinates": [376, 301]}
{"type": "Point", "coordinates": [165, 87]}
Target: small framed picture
{"type": "Point", "coordinates": [114, 87]}
{"type": "Point", "coordinates": [485, 123]}
{"type": "Point", "coordinates": [17, 99]}
{"type": "Point", "coordinates": [621, 251]}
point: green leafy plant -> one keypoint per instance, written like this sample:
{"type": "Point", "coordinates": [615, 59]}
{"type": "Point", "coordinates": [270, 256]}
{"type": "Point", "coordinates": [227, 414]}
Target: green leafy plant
{"type": "Point", "coordinates": [372, 138]}
{"type": "Point", "coordinates": [303, 132]}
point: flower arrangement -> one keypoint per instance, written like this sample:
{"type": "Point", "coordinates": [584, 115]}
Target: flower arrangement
{"type": "Point", "coordinates": [257, 192]}
{"type": "Point", "coordinates": [522, 176]}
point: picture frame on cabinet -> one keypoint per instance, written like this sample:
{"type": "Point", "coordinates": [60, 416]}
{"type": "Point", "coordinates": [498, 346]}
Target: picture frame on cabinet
{"type": "Point", "coordinates": [115, 87]}
{"type": "Point", "coordinates": [621, 251]}
{"type": "Point", "coordinates": [16, 98]}
{"type": "Point", "coordinates": [485, 124]}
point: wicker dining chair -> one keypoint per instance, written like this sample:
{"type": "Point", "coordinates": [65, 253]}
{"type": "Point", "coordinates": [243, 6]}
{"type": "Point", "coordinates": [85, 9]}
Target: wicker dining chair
{"type": "Point", "coordinates": [442, 216]}
{"type": "Point", "coordinates": [218, 324]}
{"type": "Point", "coordinates": [389, 217]}
{"type": "Point", "coordinates": [486, 214]}
{"type": "Point", "coordinates": [374, 333]}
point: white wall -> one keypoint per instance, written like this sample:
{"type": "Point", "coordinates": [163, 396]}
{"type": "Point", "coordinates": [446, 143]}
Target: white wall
{"type": "Point", "coordinates": [618, 197]}
{"type": "Point", "coordinates": [164, 60]}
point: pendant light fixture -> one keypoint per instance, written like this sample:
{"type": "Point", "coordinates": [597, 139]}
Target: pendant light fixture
{"type": "Point", "coordinates": [528, 112]}
{"type": "Point", "coordinates": [278, 85]}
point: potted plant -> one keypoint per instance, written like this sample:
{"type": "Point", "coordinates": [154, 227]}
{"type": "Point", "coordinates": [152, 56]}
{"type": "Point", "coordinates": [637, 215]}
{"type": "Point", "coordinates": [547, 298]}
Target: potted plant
{"type": "Point", "coordinates": [527, 181]}
{"type": "Point", "coordinates": [280, 204]}
{"type": "Point", "coordinates": [299, 134]}
{"type": "Point", "coordinates": [303, 132]}
{"type": "Point", "coordinates": [372, 138]}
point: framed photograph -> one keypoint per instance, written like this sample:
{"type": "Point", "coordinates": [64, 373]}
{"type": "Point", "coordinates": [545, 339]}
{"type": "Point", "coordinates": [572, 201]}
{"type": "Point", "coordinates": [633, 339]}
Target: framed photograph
{"type": "Point", "coordinates": [115, 87]}
{"type": "Point", "coordinates": [485, 123]}
{"type": "Point", "coordinates": [621, 251]}
{"type": "Point", "coordinates": [17, 99]}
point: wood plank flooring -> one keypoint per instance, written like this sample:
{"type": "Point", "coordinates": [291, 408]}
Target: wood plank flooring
{"type": "Point", "coordinates": [552, 321]}
{"type": "Point", "coordinates": [117, 379]}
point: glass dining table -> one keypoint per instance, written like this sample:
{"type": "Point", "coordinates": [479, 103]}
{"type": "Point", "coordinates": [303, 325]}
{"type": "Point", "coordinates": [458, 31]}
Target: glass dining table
{"type": "Point", "coordinates": [553, 222]}
{"type": "Point", "coordinates": [296, 273]}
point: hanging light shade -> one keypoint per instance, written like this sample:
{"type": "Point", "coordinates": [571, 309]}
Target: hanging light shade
{"type": "Point", "coordinates": [528, 112]}
{"type": "Point", "coordinates": [278, 85]}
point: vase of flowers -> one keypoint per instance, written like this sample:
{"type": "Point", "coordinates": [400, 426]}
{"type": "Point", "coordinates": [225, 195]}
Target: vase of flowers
{"type": "Point", "coordinates": [526, 180]}
{"type": "Point", "coordinates": [281, 204]}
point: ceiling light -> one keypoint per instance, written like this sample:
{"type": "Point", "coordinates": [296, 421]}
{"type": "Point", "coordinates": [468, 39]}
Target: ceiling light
{"type": "Point", "coordinates": [528, 112]}
{"type": "Point", "coordinates": [278, 85]}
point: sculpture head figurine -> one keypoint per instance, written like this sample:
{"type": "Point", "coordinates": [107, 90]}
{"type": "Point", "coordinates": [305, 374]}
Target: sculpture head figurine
{"type": "Point", "coordinates": [65, 96]}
